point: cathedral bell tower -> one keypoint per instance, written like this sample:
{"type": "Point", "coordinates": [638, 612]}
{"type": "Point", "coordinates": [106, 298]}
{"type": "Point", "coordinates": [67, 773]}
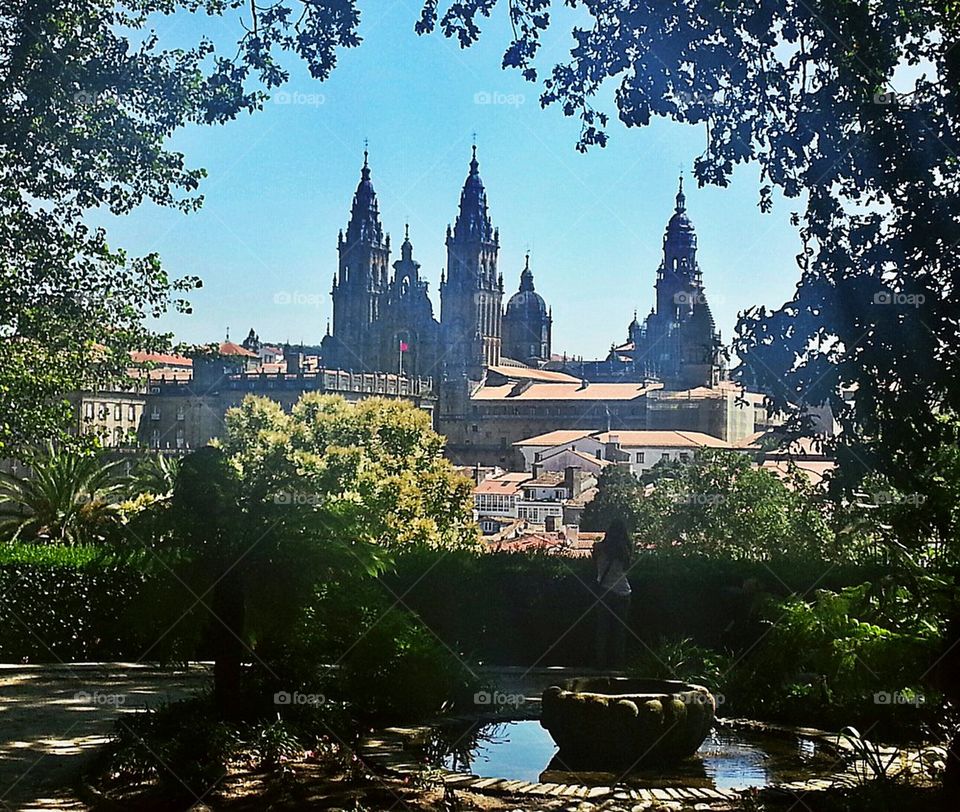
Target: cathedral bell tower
{"type": "Point", "coordinates": [471, 292]}
{"type": "Point", "coordinates": [360, 282]}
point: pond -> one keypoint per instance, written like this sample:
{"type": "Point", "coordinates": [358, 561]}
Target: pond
{"type": "Point", "coordinates": [524, 751]}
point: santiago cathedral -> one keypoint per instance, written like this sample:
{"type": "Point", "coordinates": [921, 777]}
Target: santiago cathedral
{"type": "Point", "coordinates": [384, 320]}
{"type": "Point", "coordinates": [485, 369]}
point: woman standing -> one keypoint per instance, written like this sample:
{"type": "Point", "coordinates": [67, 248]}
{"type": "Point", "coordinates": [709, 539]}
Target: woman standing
{"type": "Point", "coordinates": [612, 558]}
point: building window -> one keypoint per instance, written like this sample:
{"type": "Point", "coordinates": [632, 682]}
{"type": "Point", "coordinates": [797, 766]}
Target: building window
{"type": "Point", "coordinates": [155, 438]}
{"type": "Point", "coordinates": [118, 433]}
{"type": "Point", "coordinates": [180, 415]}
{"type": "Point", "coordinates": [118, 411]}
{"type": "Point", "coordinates": [684, 456]}
{"type": "Point", "coordinates": [665, 456]}
{"type": "Point", "coordinates": [155, 414]}
{"type": "Point", "coordinates": [640, 457]}
{"type": "Point", "coordinates": [131, 413]}
{"type": "Point", "coordinates": [88, 410]}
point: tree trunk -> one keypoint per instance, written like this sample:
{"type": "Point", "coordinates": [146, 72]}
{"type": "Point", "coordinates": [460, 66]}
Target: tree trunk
{"type": "Point", "coordinates": [228, 629]}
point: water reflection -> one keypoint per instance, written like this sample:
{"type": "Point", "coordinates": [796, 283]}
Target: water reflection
{"type": "Point", "coordinates": [524, 751]}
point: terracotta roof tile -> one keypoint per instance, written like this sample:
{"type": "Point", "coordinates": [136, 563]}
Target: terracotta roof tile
{"type": "Point", "coordinates": [554, 438]}
{"type": "Point", "coordinates": [229, 348]}
{"type": "Point", "coordinates": [160, 358]}
{"type": "Point", "coordinates": [530, 374]}
{"type": "Point", "coordinates": [505, 484]}
{"type": "Point", "coordinates": [663, 439]}
{"type": "Point", "coordinates": [565, 392]}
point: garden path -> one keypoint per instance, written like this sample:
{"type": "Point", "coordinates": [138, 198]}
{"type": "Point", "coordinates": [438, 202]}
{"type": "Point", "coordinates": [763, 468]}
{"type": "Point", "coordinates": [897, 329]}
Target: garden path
{"type": "Point", "coordinates": [54, 717]}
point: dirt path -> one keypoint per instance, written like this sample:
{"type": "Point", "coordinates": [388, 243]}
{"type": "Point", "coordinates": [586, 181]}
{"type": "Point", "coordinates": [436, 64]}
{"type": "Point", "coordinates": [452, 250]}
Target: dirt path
{"type": "Point", "coordinates": [53, 718]}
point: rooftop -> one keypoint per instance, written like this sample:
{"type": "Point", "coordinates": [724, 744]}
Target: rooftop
{"type": "Point", "coordinates": [525, 373]}
{"type": "Point", "coordinates": [229, 348]}
{"type": "Point", "coordinates": [160, 358]}
{"type": "Point", "coordinates": [505, 484]}
{"type": "Point", "coordinates": [547, 479]}
{"type": "Point", "coordinates": [555, 438]}
{"type": "Point", "coordinates": [629, 439]}
{"type": "Point", "coordinates": [662, 439]}
{"type": "Point", "coordinates": [583, 455]}
{"type": "Point", "coordinates": [565, 391]}
{"type": "Point", "coordinates": [815, 470]}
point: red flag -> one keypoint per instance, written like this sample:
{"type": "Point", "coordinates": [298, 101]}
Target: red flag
{"type": "Point", "coordinates": [404, 347]}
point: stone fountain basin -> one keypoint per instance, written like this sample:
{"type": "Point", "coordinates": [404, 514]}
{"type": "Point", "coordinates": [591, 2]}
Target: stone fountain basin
{"type": "Point", "coordinates": [620, 721]}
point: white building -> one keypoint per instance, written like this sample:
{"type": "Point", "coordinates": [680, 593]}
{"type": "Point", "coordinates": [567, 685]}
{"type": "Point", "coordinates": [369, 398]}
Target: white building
{"type": "Point", "coordinates": [497, 497]}
{"type": "Point", "coordinates": [640, 450]}
{"type": "Point", "coordinates": [539, 499]}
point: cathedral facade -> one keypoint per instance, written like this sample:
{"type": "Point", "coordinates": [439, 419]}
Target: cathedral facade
{"type": "Point", "coordinates": [384, 321]}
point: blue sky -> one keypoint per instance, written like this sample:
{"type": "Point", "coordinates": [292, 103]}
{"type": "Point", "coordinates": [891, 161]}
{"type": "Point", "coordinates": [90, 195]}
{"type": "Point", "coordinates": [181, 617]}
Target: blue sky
{"type": "Point", "coordinates": [281, 181]}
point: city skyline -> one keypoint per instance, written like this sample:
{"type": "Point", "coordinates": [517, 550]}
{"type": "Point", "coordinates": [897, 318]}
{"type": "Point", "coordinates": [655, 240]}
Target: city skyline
{"type": "Point", "coordinates": [280, 184]}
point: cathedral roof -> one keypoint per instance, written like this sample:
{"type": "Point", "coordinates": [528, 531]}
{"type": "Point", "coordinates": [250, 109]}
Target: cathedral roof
{"type": "Point", "coordinates": [473, 219]}
{"type": "Point", "coordinates": [364, 226]}
{"type": "Point", "coordinates": [526, 302]}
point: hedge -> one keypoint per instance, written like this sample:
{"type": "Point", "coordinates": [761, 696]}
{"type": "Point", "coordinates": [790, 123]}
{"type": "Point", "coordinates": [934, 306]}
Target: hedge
{"type": "Point", "coordinates": [74, 604]}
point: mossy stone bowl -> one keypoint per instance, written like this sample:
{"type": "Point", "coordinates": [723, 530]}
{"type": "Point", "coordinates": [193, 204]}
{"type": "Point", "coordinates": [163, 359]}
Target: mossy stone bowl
{"type": "Point", "coordinates": [619, 721]}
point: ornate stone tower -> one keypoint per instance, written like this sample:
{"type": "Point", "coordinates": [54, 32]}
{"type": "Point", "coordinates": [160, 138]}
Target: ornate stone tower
{"type": "Point", "coordinates": [471, 293]}
{"type": "Point", "coordinates": [409, 334]}
{"type": "Point", "coordinates": [527, 324]}
{"type": "Point", "coordinates": [360, 282]}
{"type": "Point", "coordinates": [679, 342]}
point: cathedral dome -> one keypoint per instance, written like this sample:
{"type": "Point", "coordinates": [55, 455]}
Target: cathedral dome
{"type": "Point", "coordinates": [526, 303]}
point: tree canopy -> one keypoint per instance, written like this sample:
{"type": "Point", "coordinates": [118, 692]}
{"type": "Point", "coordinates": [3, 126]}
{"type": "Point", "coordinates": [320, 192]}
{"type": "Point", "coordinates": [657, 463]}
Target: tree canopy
{"type": "Point", "coordinates": [719, 505]}
{"type": "Point", "coordinates": [89, 98]}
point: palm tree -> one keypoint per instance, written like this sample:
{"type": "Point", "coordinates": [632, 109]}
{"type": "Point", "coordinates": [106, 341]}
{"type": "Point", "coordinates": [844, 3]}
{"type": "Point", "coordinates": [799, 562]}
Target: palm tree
{"type": "Point", "coordinates": [155, 475]}
{"type": "Point", "coordinates": [67, 497]}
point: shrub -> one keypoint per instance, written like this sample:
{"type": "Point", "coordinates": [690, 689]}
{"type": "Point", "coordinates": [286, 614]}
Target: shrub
{"type": "Point", "coordinates": [183, 750]}
{"type": "Point", "coordinates": [381, 661]}
{"type": "Point", "coordinates": [65, 604]}
{"type": "Point", "coordinates": [837, 657]}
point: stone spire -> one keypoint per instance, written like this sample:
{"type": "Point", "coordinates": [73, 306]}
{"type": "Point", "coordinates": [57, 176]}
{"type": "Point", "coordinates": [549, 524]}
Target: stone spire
{"type": "Point", "coordinates": [406, 268]}
{"type": "Point", "coordinates": [526, 277]}
{"type": "Point", "coordinates": [473, 220]}
{"type": "Point", "coordinates": [680, 239]}
{"type": "Point", "coordinates": [364, 225]}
